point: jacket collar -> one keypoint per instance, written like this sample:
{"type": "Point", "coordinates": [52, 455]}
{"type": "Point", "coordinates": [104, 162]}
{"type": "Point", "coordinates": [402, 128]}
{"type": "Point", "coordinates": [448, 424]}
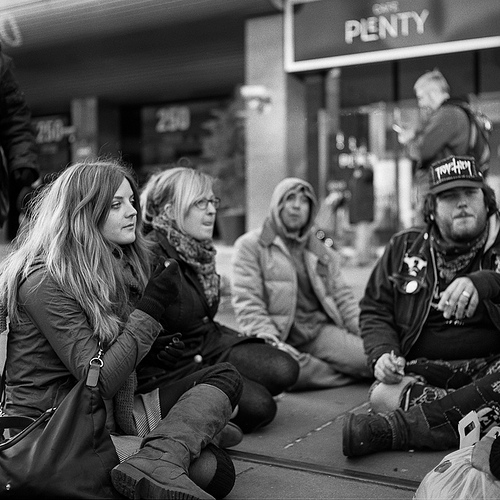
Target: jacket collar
{"type": "Point", "coordinates": [169, 250]}
{"type": "Point", "coordinates": [268, 233]}
{"type": "Point", "coordinates": [494, 228]}
{"type": "Point", "coordinates": [187, 270]}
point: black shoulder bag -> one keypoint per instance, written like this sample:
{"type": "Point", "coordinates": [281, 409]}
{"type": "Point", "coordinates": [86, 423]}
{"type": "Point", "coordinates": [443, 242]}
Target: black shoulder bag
{"type": "Point", "coordinates": [66, 453]}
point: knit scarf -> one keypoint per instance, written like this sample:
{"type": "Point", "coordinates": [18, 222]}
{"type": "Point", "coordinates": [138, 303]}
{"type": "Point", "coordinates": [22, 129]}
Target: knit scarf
{"type": "Point", "coordinates": [452, 259]}
{"type": "Point", "coordinates": [200, 255]}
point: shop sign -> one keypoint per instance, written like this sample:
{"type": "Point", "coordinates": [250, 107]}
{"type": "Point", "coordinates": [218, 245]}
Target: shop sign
{"type": "Point", "coordinates": [173, 119]}
{"type": "Point", "coordinates": [322, 34]}
{"type": "Point", "coordinates": [52, 129]}
{"type": "Point", "coordinates": [174, 131]}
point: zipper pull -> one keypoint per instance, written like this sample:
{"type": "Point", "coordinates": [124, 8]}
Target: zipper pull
{"type": "Point", "coordinates": [95, 369]}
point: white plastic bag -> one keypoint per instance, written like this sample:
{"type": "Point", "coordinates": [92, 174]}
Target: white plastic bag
{"type": "Point", "coordinates": [462, 475]}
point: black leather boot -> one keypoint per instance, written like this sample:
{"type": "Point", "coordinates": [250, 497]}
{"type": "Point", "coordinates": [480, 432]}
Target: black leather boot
{"type": "Point", "coordinates": [365, 434]}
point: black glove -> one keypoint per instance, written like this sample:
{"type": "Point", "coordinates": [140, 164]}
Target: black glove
{"type": "Point", "coordinates": [162, 289]}
{"type": "Point", "coordinates": [169, 349]}
{"type": "Point", "coordinates": [24, 177]}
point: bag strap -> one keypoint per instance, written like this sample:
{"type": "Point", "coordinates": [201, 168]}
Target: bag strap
{"type": "Point", "coordinates": [4, 330]}
{"type": "Point", "coordinates": [3, 317]}
{"type": "Point", "coordinates": [14, 421]}
{"type": "Point", "coordinates": [2, 392]}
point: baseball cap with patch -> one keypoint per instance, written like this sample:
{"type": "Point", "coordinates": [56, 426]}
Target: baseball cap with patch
{"type": "Point", "coordinates": [454, 171]}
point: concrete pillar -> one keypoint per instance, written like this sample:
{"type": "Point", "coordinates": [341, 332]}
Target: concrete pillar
{"type": "Point", "coordinates": [97, 129]}
{"type": "Point", "coordinates": [275, 135]}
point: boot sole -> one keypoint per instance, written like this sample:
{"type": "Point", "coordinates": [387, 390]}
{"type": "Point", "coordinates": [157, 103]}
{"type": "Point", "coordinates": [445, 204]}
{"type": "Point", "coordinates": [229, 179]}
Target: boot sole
{"type": "Point", "coordinates": [132, 483]}
{"type": "Point", "coordinates": [346, 436]}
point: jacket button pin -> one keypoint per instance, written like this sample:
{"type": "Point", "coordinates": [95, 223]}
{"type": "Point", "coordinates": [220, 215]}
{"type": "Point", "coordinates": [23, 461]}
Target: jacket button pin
{"type": "Point", "coordinates": [198, 358]}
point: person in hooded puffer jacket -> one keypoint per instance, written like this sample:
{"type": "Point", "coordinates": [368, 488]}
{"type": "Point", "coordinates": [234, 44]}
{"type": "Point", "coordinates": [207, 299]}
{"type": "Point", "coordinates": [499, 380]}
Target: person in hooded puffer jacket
{"type": "Point", "coordinates": [288, 288]}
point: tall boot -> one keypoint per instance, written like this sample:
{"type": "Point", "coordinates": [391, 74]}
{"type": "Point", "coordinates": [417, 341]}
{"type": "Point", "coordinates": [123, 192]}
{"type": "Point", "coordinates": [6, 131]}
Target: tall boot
{"type": "Point", "coordinates": [160, 469]}
{"type": "Point", "coordinates": [230, 436]}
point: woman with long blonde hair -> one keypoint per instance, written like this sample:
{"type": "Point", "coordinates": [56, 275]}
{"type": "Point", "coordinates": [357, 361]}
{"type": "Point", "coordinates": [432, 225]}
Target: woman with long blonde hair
{"type": "Point", "coordinates": [76, 282]}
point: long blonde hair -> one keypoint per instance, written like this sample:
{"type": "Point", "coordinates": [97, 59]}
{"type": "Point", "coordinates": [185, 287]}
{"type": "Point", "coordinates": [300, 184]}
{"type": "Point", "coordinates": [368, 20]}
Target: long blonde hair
{"type": "Point", "coordinates": [64, 232]}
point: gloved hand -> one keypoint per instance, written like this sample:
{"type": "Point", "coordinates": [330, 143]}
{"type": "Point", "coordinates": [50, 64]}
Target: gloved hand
{"type": "Point", "coordinates": [162, 289]}
{"type": "Point", "coordinates": [169, 349]}
{"type": "Point", "coordinates": [24, 177]}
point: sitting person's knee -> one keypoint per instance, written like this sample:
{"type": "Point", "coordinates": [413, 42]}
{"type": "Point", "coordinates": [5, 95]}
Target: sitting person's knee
{"type": "Point", "coordinates": [388, 397]}
{"type": "Point", "coordinates": [225, 377]}
{"type": "Point", "coordinates": [257, 407]}
{"type": "Point", "coordinates": [286, 373]}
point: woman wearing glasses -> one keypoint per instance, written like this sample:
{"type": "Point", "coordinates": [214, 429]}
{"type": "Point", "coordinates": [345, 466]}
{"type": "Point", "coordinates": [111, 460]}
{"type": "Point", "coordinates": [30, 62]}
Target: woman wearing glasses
{"type": "Point", "coordinates": [179, 211]}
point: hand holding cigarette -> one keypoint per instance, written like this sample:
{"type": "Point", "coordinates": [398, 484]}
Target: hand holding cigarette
{"type": "Point", "coordinates": [389, 368]}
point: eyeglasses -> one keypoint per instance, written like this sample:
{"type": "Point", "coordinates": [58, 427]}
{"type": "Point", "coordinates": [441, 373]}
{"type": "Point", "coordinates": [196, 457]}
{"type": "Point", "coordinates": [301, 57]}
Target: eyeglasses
{"type": "Point", "coordinates": [203, 203]}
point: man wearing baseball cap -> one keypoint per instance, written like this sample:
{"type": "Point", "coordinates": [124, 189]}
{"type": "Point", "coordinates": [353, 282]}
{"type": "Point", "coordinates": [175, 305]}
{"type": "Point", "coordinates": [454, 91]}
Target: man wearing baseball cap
{"type": "Point", "coordinates": [430, 321]}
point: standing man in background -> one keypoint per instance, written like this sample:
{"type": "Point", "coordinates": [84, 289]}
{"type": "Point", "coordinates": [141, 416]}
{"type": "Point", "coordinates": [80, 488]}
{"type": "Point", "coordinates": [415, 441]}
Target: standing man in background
{"type": "Point", "coordinates": [19, 167]}
{"type": "Point", "coordinates": [444, 131]}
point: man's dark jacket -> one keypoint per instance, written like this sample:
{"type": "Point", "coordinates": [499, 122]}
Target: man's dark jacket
{"type": "Point", "coordinates": [398, 295]}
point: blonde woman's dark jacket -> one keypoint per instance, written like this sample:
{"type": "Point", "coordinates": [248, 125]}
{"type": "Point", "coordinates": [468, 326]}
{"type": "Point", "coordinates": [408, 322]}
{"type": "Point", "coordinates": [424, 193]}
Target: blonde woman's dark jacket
{"type": "Point", "coordinates": [206, 340]}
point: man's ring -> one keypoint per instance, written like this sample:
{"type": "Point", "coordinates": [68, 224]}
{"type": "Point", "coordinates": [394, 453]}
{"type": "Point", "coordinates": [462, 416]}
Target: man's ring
{"type": "Point", "coordinates": [466, 293]}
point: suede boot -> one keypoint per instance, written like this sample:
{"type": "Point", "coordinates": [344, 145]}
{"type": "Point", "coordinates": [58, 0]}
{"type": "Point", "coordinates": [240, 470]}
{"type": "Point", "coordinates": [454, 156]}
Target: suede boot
{"type": "Point", "coordinates": [230, 436]}
{"type": "Point", "coordinates": [160, 469]}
